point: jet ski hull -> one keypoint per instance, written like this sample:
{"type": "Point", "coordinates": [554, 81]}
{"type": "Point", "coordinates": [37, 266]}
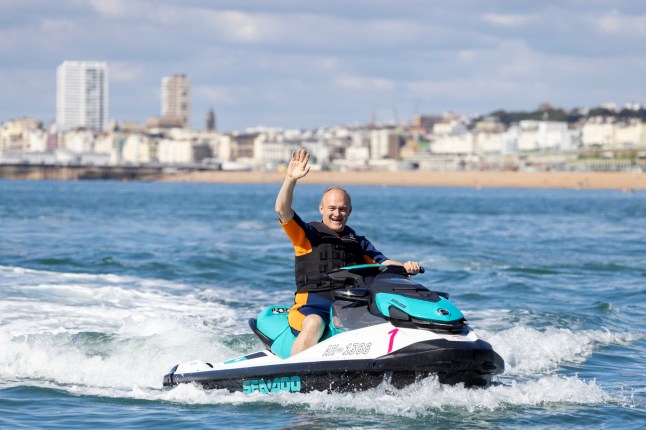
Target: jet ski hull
{"type": "Point", "coordinates": [453, 362]}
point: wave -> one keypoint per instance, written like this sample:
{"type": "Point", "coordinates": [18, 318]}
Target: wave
{"type": "Point", "coordinates": [423, 399]}
{"type": "Point", "coordinates": [528, 351]}
{"type": "Point", "coordinates": [37, 301]}
{"type": "Point", "coordinates": [130, 362]}
{"type": "Point", "coordinates": [116, 336]}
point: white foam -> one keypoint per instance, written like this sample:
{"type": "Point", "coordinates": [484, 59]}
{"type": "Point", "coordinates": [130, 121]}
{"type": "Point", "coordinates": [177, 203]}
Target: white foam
{"type": "Point", "coordinates": [135, 355]}
{"type": "Point", "coordinates": [41, 301]}
{"type": "Point", "coordinates": [429, 396]}
{"type": "Point", "coordinates": [49, 321]}
{"type": "Point", "coordinates": [528, 351]}
{"type": "Point", "coordinates": [426, 398]}
{"type": "Point", "coordinates": [131, 363]}
{"type": "Point", "coordinates": [116, 336]}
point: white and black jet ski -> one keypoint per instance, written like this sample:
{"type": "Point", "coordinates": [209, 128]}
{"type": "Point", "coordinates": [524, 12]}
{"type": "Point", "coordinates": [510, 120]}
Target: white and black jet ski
{"type": "Point", "coordinates": [384, 327]}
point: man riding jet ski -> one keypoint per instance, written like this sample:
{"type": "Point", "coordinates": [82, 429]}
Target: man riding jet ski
{"type": "Point", "coordinates": [319, 248]}
{"type": "Point", "coordinates": [375, 323]}
{"type": "Point", "coordinates": [384, 327]}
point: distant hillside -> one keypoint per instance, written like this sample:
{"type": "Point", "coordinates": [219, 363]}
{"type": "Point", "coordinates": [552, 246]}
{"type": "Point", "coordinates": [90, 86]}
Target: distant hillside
{"type": "Point", "coordinates": [572, 116]}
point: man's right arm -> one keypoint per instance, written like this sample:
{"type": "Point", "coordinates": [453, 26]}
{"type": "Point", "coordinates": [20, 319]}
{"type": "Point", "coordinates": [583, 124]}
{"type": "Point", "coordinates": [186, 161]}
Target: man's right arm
{"type": "Point", "coordinates": [284, 200]}
{"type": "Point", "coordinates": [297, 168]}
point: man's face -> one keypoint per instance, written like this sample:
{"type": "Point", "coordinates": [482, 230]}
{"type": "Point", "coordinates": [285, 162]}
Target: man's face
{"type": "Point", "coordinates": [335, 210]}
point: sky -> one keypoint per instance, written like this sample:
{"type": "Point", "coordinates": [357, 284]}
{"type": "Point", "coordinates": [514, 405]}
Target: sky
{"type": "Point", "coordinates": [307, 64]}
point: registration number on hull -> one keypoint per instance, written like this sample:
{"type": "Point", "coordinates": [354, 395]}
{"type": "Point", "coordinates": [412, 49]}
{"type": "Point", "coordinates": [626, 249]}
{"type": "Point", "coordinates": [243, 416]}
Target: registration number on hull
{"type": "Point", "coordinates": [356, 348]}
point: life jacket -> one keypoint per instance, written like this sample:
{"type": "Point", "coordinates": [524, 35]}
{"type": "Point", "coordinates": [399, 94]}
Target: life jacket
{"type": "Point", "coordinates": [330, 252]}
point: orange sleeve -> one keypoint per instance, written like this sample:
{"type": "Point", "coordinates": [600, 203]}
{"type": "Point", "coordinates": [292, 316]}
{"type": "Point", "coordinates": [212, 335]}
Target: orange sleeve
{"type": "Point", "coordinates": [368, 260]}
{"type": "Point", "coordinates": [297, 235]}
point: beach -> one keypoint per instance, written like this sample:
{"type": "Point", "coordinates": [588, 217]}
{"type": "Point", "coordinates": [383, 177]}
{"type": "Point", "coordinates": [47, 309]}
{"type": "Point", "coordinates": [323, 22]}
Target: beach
{"type": "Point", "coordinates": [625, 181]}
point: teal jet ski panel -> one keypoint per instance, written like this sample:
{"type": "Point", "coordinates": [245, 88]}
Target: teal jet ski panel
{"type": "Point", "coordinates": [442, 311]}
{"type": "Point", "coordinates": [272, 322]}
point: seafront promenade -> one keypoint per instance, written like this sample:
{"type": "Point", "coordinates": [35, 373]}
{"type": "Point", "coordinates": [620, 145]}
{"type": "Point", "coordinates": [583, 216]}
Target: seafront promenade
{"type": "Point", "coordinates": [571, 180]}
{"type": "Point", "coordinates": [624, 181]}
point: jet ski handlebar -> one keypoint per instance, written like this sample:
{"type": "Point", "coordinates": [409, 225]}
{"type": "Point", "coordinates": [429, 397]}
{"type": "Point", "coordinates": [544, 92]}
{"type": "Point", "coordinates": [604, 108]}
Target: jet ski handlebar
{"type": "Point", "coordinates": [350, 280]}
{"type": "Point", "coordinates": [362, 270]}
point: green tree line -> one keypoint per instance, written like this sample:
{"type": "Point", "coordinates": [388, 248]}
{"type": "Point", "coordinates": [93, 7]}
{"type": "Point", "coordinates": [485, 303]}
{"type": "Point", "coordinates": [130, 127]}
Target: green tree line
{"type": "Point", "coordinates": [571, 116]}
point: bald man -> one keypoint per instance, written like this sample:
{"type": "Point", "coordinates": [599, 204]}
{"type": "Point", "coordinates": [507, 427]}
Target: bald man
{"type": "Point", "coordinates": [320, 247]}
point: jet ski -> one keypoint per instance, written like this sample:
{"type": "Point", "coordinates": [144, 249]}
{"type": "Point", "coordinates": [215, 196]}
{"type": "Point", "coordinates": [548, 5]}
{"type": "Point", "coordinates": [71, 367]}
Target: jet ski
{"type": "Point", "coordinates": [384, 327]}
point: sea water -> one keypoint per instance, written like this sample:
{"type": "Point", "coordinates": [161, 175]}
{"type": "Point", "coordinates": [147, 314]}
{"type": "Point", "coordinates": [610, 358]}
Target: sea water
{"type": "Point", "coordinates": [106, 285]}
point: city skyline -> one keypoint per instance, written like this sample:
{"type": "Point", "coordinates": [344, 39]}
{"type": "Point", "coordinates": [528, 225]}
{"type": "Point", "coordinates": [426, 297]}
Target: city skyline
{"type": "Point", "coordinates": [302, 65]}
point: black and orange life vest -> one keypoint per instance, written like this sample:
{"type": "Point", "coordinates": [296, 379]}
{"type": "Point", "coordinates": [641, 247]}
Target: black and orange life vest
{"type": "Point", "coordinates": [332, 251]}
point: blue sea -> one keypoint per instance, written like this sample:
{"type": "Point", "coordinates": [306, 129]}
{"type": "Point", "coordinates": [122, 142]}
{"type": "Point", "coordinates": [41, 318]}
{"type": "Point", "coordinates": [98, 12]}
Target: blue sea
{"type": "Point", "coordinates": [106, 285]}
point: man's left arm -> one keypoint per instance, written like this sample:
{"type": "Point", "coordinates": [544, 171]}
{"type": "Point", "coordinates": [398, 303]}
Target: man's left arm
{"type": "Point", "coordinates": [371, 253]}
{"type": "Point", "coordinates": [412, 267]}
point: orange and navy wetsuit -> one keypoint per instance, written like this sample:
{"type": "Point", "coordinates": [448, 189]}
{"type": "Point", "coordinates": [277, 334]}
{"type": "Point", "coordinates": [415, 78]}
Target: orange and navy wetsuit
{"type": "Point", "coordinates": [306, 238]}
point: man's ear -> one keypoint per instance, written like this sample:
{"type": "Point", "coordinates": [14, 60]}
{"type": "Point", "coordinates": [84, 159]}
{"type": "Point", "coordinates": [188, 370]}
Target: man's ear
{"type": "Point", "coordinates": [321, 209]}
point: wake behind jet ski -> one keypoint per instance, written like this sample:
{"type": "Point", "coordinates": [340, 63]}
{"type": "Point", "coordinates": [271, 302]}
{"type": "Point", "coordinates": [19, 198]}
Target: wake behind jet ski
{"type": "Point", "coordinates": [384, 327]}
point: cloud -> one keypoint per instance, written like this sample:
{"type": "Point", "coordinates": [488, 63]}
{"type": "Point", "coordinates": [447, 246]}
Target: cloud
{"type": "Point", "coordinates": [506, 20]}
{"type": "Point", "coordinates": [363, 83]}
{"type": "Point", "coordinates": [513, 76]}
{"type": "Point", "coordinates": [329, 62]}
{"type": "Point", "coordinates": [242, 27]}
{"type": "Point", "coordinates": [32, 97]}
{"type": "Point", "coordinates": [125, 72]}
{"type": "Point", "coordinates": [615, 23]}
{"type": "Point", "coordinates": [52, 26]}
{"type": "Point", "coordinates": [221, 95]}
{"type": "Point", "coordinates": [113, 8]}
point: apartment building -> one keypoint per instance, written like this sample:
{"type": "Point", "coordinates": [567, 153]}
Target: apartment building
{"type": "Point", "coordinates": [176, 100]}
{"type": "Point", "coordinates": [82, 95]}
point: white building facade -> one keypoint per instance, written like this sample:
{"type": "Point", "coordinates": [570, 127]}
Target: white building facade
{"type": "Point", "coordinates": [82, 95]}
{"type": "Point", "coordinates": [384, 143]}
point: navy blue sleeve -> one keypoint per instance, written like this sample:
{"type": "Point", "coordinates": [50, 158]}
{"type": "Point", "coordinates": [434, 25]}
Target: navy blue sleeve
{"type": "Point", "coordinates": [370, 251]}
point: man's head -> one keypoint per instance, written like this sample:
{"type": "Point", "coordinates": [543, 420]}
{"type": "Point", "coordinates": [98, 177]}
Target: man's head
{"type": "Point", "coordinates": [335, 207]}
